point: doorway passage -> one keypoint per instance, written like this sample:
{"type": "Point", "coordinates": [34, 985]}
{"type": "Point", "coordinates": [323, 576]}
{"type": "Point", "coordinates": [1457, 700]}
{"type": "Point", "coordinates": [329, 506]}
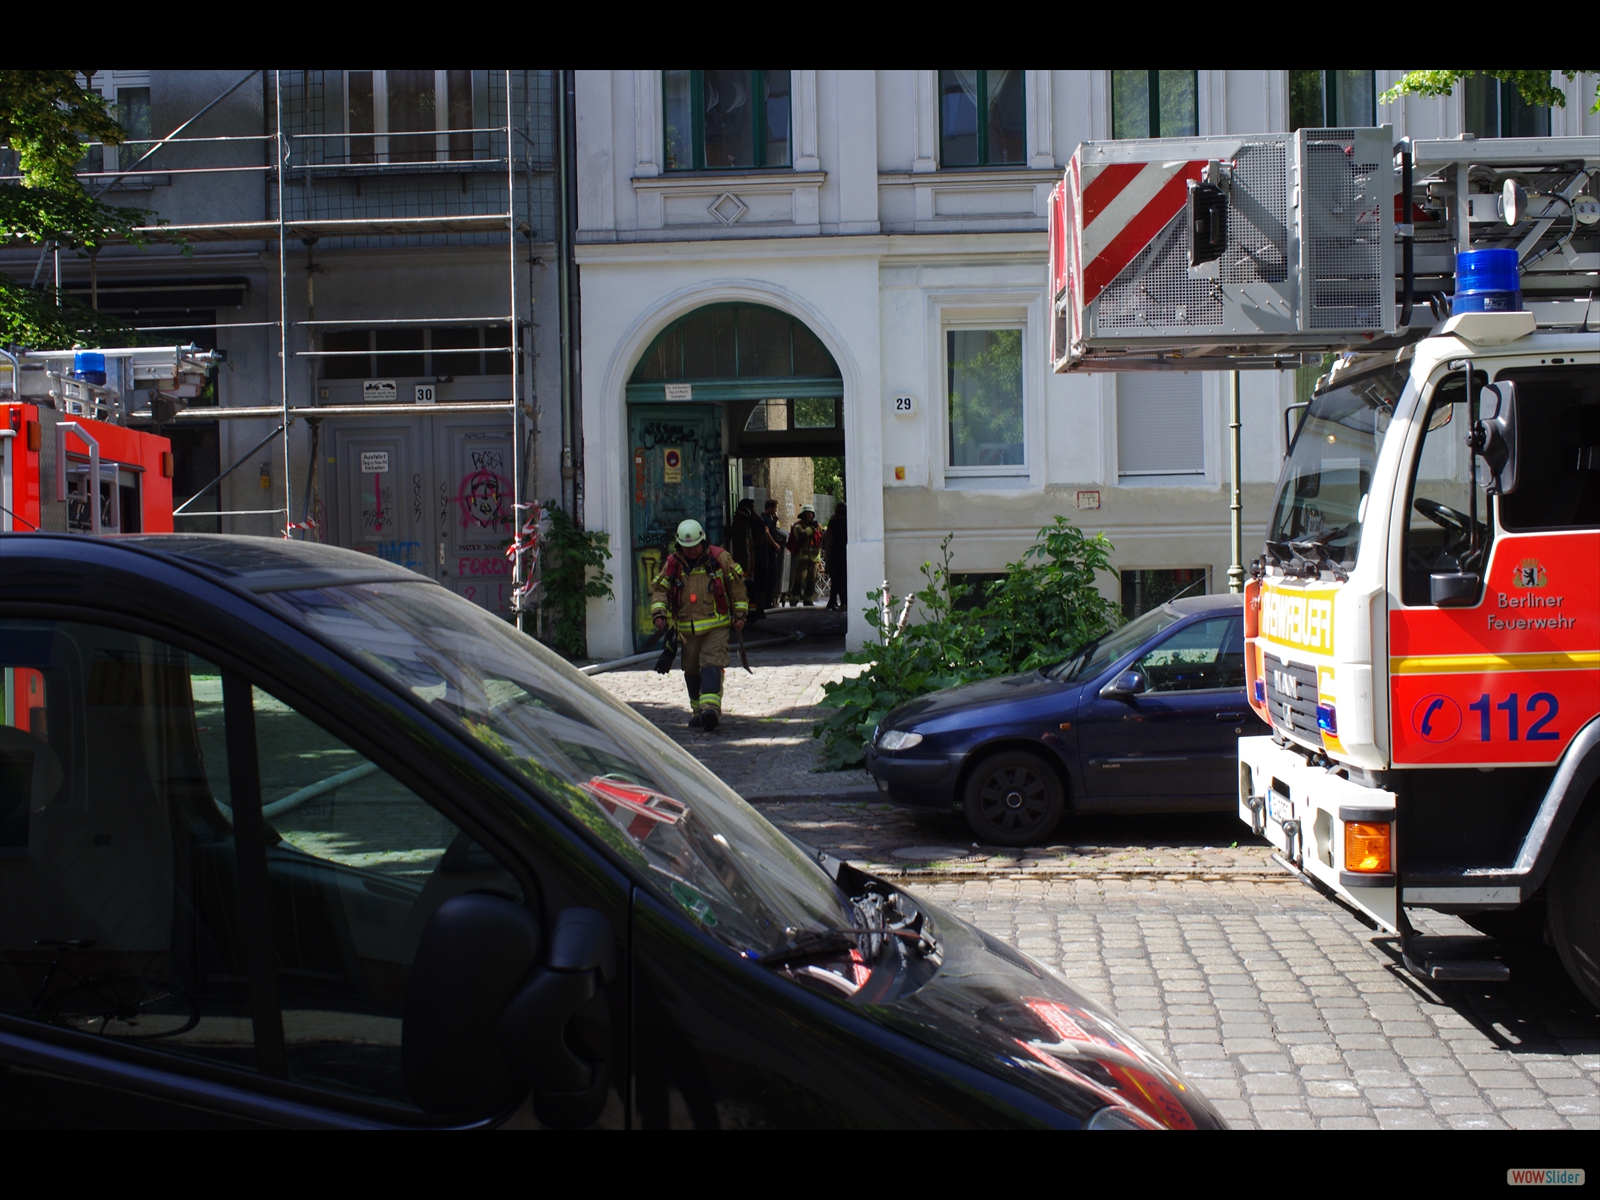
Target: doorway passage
{"type": "Point", "coordinates": [729, 402]}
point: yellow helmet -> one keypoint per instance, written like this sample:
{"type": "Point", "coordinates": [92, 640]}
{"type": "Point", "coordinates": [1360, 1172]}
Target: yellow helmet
{"type": "Point", "coordinates": [690, 534]}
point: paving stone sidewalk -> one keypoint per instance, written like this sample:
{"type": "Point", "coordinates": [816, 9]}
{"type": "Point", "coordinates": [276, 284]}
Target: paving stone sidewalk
{"type": "Point", "coordinates": [764, 750]}
{"type": "Point", "coordinates": [1288, 1014]}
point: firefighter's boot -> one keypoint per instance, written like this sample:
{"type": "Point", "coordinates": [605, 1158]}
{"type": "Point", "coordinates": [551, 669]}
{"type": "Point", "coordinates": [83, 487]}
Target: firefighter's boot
{"type": "Point", "coordinates": [692, 682]}
{"type": "Point", "coordinates": [711, 698]}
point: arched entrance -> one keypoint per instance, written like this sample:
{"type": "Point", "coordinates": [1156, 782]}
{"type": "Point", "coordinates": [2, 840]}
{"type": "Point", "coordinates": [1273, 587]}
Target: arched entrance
{"type": "Point", "coordinates": [725, 384]}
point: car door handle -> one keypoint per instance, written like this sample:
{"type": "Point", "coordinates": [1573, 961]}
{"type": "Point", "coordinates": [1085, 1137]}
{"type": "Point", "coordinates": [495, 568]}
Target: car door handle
{"type": "Point", "coordinates": [1230, 716]}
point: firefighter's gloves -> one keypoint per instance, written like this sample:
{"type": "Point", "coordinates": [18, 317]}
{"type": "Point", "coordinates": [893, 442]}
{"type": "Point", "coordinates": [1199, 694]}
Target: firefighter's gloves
{"type": "Point", "coordinates": [739, 625]}
{"type": "Point", "coordinates": [661, 624]}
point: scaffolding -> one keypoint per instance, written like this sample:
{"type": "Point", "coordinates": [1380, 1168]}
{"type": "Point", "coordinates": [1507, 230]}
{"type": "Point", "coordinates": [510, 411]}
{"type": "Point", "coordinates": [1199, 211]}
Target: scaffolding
{"type": "Point", "coordinates": [338, 188]}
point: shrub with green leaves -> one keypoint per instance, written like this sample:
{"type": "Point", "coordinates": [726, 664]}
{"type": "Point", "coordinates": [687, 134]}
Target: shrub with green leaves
{"type": "Point", "coordinates": [1044, 607]}
{"type": "Point", "coordinates": [573, 562]}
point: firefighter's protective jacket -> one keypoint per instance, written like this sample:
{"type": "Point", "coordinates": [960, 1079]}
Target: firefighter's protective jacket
{"type": "Point", "coordinates": [805, 541]}
{"type": "Point", "coordinates": [699, 596]}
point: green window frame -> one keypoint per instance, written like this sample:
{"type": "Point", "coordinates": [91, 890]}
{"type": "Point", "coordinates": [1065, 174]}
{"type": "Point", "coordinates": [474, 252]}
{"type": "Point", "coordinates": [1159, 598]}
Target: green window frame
{"type": "Point", "coordinates": [1314, 99]}
{"type": "Point", "coordinates": [1132, 114]}
{"type": "Point", "coordinates": [1494, 108]}
{"type": "Point", "coordinates": [769, 146]}
{"type": "Point", "coordinates": [1013, 142]}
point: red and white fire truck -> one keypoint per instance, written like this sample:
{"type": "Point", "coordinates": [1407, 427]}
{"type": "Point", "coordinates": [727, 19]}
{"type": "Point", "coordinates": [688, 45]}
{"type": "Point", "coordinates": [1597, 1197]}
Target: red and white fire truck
{"type": "Point", "coordinates": [1423, 625]}
{"type": "Point", "coordinates": [69, 462]}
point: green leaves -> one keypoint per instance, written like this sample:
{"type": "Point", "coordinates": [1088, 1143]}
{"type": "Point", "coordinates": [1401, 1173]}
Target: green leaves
{"type": "Point", "coordinates": [1044, 607]}
{"type": "Point", "coordinates": [572, 573]}
{"type": "Point", "coordinates": [45, 119]}
{"type": "Point", "coordinates": [1534, 86]}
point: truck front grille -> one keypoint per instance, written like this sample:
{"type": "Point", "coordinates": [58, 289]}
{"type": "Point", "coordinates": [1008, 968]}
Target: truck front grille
{"type": "Point", "coordinates": [1292, 697]}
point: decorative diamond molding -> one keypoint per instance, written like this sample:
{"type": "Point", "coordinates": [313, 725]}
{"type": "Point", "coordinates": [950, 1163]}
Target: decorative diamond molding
{"type": "Point", "coordinates": [727, 208]}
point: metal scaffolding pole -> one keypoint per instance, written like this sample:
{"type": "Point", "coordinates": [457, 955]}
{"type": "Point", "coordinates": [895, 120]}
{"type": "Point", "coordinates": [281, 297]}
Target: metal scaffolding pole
{"type": "Point", "coordinates": [282, 148]}
{"type": "Point", "coordinates": [516, 374]}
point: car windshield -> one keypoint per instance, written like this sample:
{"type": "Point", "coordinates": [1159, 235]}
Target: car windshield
{"type": "Point", "coordinates": [632, 788]}
{"type": "Point", "coordinates": [1099, 654]}
{"type": "Point", "coordinates": [1322, 491]}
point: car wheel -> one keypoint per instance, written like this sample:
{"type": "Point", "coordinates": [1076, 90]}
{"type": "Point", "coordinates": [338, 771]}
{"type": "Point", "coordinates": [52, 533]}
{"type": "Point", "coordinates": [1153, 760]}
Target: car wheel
{"type": "Point", "coordinates": [1013, 799]}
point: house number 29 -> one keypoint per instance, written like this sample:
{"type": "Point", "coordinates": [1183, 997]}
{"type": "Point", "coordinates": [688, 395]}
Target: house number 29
{"type": "Point", "coordinates": [905, 406]}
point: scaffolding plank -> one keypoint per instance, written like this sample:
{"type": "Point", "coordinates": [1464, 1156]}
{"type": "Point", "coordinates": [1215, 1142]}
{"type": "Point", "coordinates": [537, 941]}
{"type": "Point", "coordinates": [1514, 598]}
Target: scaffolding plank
{"type": "Point", "coordinates": [255, 231]}
{"type": "Point", "coordinates": [275, 412]}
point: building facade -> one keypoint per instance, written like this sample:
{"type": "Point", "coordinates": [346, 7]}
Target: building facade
{"type": "Point", "coordinates": [757, 241]}
{"type": "Point", "coordinates": [378, 255]}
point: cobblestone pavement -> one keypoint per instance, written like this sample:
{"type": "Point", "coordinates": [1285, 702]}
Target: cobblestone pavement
{"type": "Point", "coordinates": [764, 750]}
{"type": "Point", "coordinates": [1287, 1013]}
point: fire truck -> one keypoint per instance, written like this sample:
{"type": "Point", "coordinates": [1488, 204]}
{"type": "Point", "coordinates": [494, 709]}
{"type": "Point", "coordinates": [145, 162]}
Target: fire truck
{"type": "Point", "coordinates": [69, 461]}
{"type": "Point", "coordinates": [1423, 623]}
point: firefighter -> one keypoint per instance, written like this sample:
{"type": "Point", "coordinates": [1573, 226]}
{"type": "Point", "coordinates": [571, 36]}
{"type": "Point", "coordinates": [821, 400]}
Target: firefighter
{"type": "Point", "coordinates": [700, 594]}
{"type": "Point", "coordinates": [805, 544]}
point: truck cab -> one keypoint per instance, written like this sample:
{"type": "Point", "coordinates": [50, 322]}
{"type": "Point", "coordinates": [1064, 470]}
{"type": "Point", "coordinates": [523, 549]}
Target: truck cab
{"type": "Point", "coordinates": [1424, 624]}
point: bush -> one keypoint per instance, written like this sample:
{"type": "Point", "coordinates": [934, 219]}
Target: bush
{"type": "Point", "coordinates": [573, 571]}
{"type": "Point", "coordinates": [1043, 608]}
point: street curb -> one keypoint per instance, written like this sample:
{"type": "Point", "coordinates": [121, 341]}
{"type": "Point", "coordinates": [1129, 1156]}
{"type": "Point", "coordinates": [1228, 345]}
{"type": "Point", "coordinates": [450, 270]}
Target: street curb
{"type": "Point", "coordinates": [855, 796]}
{"type": "Point", "coordinates": [986, 873]}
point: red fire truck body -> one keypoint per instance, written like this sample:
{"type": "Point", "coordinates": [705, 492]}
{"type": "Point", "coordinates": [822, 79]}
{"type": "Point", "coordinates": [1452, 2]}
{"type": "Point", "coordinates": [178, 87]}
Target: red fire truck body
{"type": "Point", "coordinates": [1423, 625]}
{"type": "Point", "coordinates": [135, 469]}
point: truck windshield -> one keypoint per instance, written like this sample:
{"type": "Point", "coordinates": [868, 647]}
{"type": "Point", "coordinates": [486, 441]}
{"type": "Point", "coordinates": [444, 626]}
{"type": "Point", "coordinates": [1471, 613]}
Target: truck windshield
{"type": "Point", "coordinates": [1322, 492]}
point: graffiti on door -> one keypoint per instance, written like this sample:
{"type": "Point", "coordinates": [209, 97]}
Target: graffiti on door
{"type": "Point", "coordinates": [377, 507]}
{"type": "Point", "coordinates": [484, 493]}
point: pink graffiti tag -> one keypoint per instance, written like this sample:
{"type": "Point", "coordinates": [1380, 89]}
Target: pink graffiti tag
{"type": "Point", "coordinates": [377, 499]}
{"type": "Point", "coordinates": [482, 499]}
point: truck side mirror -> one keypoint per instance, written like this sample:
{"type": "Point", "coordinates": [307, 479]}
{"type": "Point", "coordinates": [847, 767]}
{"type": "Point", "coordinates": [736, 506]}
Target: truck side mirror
{"type": "Point", "coordinates": [1494, 437]}
{"type": "Point", "coordinates": [1454, 589]}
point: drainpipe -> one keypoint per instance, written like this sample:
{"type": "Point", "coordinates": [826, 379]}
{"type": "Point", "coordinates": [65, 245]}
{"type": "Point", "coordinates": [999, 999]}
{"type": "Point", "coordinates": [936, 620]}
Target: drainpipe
{"type": "Point", "coordinates": [1236, 509]}
{"type": "Point", "coordinates": [568, 403]}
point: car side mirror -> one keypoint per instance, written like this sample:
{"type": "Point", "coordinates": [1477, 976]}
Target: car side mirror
{"type": "Point", "coordinates": [1454, 589]}
{"type": "Point", "coordinates": [1494, 437]}
{"type": "Point", "coordinates": [484, 1022]}
{"type": "Point", "coordinates": [1125, 686]}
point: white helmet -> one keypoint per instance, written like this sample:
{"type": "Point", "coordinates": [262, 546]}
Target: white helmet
{"type": "Point", "coordinates": [690, 534]}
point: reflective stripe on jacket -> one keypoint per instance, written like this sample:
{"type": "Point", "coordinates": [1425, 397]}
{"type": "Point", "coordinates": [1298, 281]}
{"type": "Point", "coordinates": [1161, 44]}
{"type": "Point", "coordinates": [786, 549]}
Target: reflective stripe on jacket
{"type": "Point", "coordinates": [699, 596]}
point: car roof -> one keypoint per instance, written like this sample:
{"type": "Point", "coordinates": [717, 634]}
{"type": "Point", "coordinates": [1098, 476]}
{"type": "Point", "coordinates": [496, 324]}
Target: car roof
{"type": "Point", "coordinates": [1222, 601]}
{"type": "Point", "coordinates": [264, 564]}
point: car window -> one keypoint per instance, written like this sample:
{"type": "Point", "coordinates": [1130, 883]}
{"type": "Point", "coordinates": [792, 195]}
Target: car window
{"type": "Point", "coordinates": [1099, 654]}
{"type": "Point", "coordinates": [1200, 657]}
{"type": "Point", "coordinates": [119, 915]}
{"type": "Point", "coordinates": [357, 863]}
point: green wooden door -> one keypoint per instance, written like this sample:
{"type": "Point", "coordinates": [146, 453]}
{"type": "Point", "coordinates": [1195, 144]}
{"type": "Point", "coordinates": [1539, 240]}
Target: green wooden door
{"type": "Point", "coordinates": [678, 472]}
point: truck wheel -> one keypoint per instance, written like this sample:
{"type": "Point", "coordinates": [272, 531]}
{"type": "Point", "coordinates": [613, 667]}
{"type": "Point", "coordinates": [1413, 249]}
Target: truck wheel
{"type": "Point", "coordinates": [1013, 798]}
{"type": "Point", "coordinates": [1520, 927]}
{"type": "Point", "coordinates": [1575, 902]}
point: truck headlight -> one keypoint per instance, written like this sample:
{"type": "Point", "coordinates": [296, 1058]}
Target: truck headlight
{"type": "Point", "coordinates": [898, 739]}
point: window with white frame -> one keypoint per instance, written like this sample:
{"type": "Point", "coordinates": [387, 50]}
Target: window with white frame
{"type": "Point", "coordinates": [984, 397]}
{"type": "Point", "coordinates": [129, 95]}
{"type": "Point", "coordinates": [414, 116]}
{"type": "Point", "coordinates": [1160, 424]}
{"type": "Point", "coordinates": [1332, 99]}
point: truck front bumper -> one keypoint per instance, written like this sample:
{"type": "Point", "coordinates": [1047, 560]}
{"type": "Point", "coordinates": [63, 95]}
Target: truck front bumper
{"type": "Point", "coordinates": [1302, 810]}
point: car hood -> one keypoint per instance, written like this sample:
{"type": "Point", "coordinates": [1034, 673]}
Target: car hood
{"type": "Point", "coordinates": [951, 704]}
{"type": "Point", "coordinates": [995, 1008]}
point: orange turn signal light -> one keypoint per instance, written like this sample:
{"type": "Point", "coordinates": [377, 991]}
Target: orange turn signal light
{"type": "Point", "coordinates": [1367, 846]}
{"type": "Point", "coordinates": [166, 464]}
{"type": "Point", "coordinates": [35, 436]}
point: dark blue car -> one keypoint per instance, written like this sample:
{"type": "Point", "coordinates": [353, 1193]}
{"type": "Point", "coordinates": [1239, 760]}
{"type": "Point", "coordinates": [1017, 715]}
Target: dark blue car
{"type": "Point", "coordinates": [1145, 719]}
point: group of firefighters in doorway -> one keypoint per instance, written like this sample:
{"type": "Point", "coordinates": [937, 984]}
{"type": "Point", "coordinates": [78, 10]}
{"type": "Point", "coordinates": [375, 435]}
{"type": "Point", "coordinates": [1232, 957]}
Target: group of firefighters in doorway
{"type": "Point", "coordinates": [700, 593]}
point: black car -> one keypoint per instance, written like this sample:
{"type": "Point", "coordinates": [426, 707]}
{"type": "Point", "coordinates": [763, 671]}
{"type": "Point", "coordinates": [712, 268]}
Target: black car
{"type": "Point", "coordinates": [292, 836]}
{"type": "Point", "coordinates": [1143, 720]}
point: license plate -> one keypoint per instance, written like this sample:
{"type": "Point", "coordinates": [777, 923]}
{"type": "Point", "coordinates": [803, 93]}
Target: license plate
{"type": "Point", "coordinates": [1278, 807]}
